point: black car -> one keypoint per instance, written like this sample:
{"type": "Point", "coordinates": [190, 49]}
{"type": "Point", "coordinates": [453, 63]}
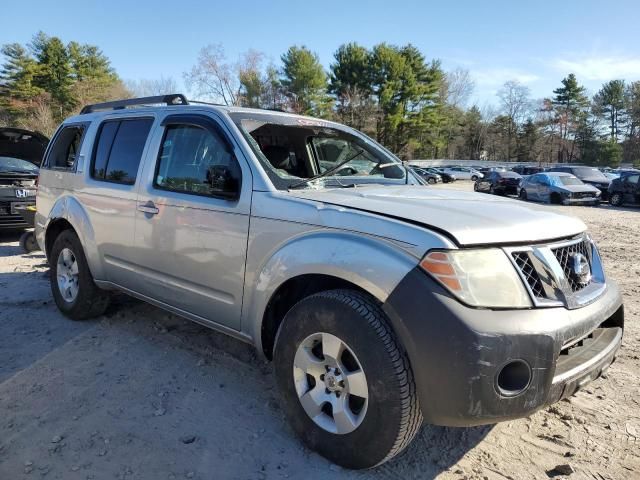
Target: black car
{"type": "Point", "coordinates": [21, 152]}
{"type": "Point", "coordinates": [589, 175]}
{"type": "Point", "coordinates": [625, 189]}
{"type": "Point", "coordinates": [527, 169]}
{"type": "Point", "coordinates": [499, 183]}
{"type": "Point", "coordinates": [446, 177]}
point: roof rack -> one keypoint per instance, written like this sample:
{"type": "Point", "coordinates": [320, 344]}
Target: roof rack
{"type": "Point", "coordinates": [172, 99]}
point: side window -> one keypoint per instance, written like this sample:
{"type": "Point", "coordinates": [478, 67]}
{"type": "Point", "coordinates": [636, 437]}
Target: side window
{"type": "Point", "coordinates": [633, 179]}
{"type": "Point", "coordinates": [118, 149]}
{"type": "Point", "coordinates": [66, 147]}
{"type": "Point", "coordinates": [197, 161]}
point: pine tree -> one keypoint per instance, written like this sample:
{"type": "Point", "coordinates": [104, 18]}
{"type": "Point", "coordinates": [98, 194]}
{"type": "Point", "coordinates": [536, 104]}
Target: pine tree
{"type": "Point", "coordinates": [306, 82]}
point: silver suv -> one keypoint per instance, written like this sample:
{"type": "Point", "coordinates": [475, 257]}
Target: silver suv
{"type": "Point", "coordinates": [381, 301]}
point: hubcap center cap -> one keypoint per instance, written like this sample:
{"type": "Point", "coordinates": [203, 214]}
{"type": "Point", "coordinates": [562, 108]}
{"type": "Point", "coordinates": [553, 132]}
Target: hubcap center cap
{"type": "Point", "coordinates": [332, 382]}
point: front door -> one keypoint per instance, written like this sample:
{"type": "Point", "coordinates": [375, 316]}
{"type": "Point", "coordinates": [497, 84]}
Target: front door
{"type": "Point", "coordinates": [631, 189]}
{"type": "Point", "coordinates": [192, 220]}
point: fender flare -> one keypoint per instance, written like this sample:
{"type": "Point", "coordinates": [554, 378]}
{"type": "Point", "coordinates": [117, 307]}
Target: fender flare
{"type": "Point", "coordinates": [374, 264]}
{"type": "Point", "coordinates": [69, 209]}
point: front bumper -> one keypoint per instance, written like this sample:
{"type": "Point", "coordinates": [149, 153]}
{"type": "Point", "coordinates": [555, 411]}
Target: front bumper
{"type": "Point", "coordinates": [581, 201]}
{"type": "Point", "coordinates": [457, 352]}
{"type": "Point", "coordinates": [12, 214]}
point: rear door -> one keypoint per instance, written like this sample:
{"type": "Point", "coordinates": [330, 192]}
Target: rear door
{"type": "Point", "coordinates": [191, 233]}
{"type": "Point", "coordinates": [108, 192]}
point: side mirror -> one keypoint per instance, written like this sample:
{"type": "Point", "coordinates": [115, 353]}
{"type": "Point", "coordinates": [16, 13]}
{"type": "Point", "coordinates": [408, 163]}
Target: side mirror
{"type": "Point", "coordinates": [224, 181]}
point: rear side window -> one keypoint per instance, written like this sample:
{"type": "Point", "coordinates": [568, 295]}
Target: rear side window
{"type": "Point", "coordinates": [66, 147]}
{"type": "Point", "coordinates": [118, 149]}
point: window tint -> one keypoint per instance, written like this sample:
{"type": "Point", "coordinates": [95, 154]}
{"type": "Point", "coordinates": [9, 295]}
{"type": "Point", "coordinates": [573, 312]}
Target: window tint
{"type": "Point", "coordinates": [633, 179]}
{"type": "Point", "coordinates": [197, 161]}
{"type": "Point", "coordinates": [119, 149]}
{"type": "Point", "coordinates": [66, 147]}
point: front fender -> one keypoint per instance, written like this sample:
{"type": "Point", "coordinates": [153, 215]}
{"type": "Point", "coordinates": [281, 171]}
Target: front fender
{"type": "Point", "coordinates": [374, 264]}
{"type": "Point", "coordinates": [69, 209]}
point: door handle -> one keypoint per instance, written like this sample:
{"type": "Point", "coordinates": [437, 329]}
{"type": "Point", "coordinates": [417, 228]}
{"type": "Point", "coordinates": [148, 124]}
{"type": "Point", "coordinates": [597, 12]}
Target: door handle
{"type": "Point", "coordinates": [148, 208]}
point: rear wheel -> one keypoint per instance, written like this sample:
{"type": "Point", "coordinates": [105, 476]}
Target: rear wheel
{"type": "Point", "coordinates": [346, 382]}
{"type": "Point", "coordinates": [616, 199]}
{"type": "Point", "coordinates": [73, 288]}
{"type": "Point", "coordinates": [492, 190]}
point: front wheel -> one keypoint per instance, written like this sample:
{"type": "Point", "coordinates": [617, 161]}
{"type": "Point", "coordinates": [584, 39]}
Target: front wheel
{"type": "Point", "coordinates": [28, 242]}
{"type": "Point", "coordinates": [474, 178]}
{"type": "Point", "coordinates": [616, 200]}
{"type": "Point", "coordinates": [522, 194]}
{"type": "Point", "coordinates": [431, 180]}
{"type": "Point", "coordinates": [346, 381]}
{"type": "Point", "coordinates": [73, 288]}
{"type": "Point", "coordinates": [475, 187]}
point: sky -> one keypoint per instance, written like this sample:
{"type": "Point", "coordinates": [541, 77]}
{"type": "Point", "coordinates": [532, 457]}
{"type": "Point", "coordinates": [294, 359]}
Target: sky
{"type": "Point", "coordinates": [536, 42]}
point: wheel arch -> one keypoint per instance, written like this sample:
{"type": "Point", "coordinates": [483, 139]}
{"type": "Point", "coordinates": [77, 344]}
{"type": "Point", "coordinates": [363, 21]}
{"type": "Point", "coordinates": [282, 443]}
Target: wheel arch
{"type": "Point", "coordinates": [68, 213]}
{"type": "Point", "coordinates": [314, 263]}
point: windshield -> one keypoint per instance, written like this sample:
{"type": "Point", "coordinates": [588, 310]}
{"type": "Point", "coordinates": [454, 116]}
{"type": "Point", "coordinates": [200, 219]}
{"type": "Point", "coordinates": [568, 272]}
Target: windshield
{"type": "Point", "coordinates": [9, 164]}
{"type": "Point", "coordinates": [561, 180]}
{"type": "Point", "coordinates": [293, 150]}
{"type": "Point", "coordinates": [588, 172]}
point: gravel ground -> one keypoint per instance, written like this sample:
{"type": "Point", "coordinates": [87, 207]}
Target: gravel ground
{"type": "Point", "coordinates": [142, 394]}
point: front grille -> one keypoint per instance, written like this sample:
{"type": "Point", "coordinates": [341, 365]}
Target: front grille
{"type": "Point", "coordinates": [563, 254]}
{"type": "Point", "coordinates": [529, 273]}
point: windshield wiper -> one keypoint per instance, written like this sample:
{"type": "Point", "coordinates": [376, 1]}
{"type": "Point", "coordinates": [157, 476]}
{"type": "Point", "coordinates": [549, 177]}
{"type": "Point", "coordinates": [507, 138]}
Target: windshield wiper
{"type": "Point", "coordinates": [326, 172]}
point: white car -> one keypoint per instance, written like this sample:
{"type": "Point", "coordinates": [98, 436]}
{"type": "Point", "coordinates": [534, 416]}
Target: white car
{"type": "Point", "coordinates": [464, 173]}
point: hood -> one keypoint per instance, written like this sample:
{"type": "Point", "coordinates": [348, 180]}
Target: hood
{"type": "Point", "coordinates": [469, 218]}
{"type": "Point", "coordinates": [578, 188]}
{"type": "Point", "coordinates": [22, 144]}
{"type": "Point", "coordinates": [598, 180]}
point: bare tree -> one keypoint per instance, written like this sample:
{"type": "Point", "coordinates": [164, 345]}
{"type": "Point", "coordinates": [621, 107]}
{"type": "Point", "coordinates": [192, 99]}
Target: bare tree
{"type": "Point", "coordinates": [514, 99]}
{"type": "Point", "coordinates": [458, 86]}
{"type": "Point", "coordinates": [213, 77]}
{"type": "Point", "coordinates": [146, 87]}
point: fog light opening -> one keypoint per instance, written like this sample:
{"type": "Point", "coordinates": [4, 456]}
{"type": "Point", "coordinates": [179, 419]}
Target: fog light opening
{"type": "Point", "coordinates": [514, 378]}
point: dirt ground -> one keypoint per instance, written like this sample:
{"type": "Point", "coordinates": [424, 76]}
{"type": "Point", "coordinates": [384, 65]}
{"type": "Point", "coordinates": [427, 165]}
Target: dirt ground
{"type": "Point", "coordinates": [142, 394]}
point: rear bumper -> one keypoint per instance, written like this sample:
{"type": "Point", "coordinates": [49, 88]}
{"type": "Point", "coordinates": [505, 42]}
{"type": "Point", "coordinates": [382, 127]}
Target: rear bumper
{"type": "Point", "coordinates": [458, 353]}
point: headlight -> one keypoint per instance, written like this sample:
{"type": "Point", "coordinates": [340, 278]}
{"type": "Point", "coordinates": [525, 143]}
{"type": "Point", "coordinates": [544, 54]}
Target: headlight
{"type": "Point", "coordinates": [480, 278]}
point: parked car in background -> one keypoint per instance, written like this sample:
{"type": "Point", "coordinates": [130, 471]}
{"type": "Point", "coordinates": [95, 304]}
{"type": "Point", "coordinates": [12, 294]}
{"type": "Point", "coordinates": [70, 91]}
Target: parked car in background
{"type": "Point", "coordinates": [464, 173]}
{"type": "Point", "coordinates": [426, 175]}
{"type": "Point", "coordinates": [527, 170]}
{"type": "Point", "coordinates": [558, 188]}
{"type": "Point", "coordinates": [446, 177]}
{"type": "Point", "coordinates": [625, 190]}
{"type": "Point", "coordinates": [499, 183]}
{"type": "Point", "coordinates": [485, 170]}
{"type": "Point", "coordinates": [589, 175]}
{"type": "Point", "coordinates": [381, 306]}
{"type": "Point", "coordinates": [21, 152]}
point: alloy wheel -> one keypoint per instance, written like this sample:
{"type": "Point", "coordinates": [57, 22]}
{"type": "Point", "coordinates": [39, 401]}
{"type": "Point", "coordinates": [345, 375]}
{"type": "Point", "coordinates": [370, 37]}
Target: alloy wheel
{"type": "Point", "coordinates": [330, 383]}
{"type": "Point", "coordinates": [67, 275]}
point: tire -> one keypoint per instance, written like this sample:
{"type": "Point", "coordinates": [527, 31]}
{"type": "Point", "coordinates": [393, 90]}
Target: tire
{"type": "Point", "coordinates": [28, 242]}
{"type": "Point", "coordinates": [391, 416]}
{"type": "Point", "coordinates": [431, 180]}
{"type": "Point", "coordinates": [474, 178]}
{"type": "Point", "coordinates": [492, 190]}
{"type": "Point", "coordinates": [89, 301]}
{"type": "Point", "coordinates": [523, 194]}
{"type": "Point", "coordinates": [555, 199]}
{"type": "Point", "coordinates": [475, 187]}
{"type": "Point", "coordinates": [616, 199]}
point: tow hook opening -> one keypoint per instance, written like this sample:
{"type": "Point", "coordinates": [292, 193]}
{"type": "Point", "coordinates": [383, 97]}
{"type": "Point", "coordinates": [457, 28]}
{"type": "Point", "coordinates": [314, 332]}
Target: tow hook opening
{"type": "Point", "coordinates": [513, 378]}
